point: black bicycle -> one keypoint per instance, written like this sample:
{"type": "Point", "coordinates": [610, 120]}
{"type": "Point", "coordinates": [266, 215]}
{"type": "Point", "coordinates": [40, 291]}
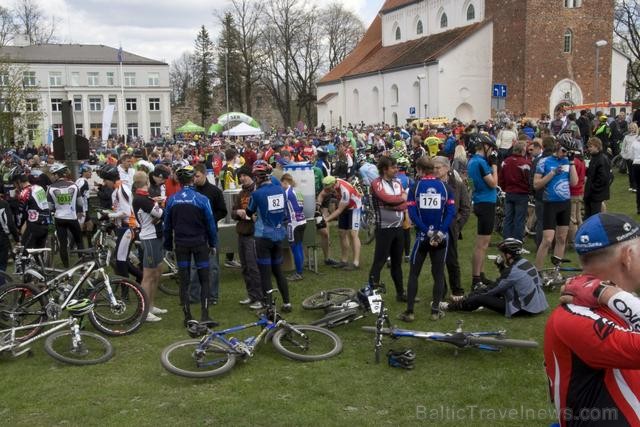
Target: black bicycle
{"type": "Point", "coordinates": [342, 305]}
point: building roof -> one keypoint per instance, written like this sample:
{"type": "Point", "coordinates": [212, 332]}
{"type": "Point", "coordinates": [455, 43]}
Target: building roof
{"type": "Point", "coordinates": [391, 5]}
{"type": "Point", "coordinates": [369, 56]}
{"type": "Point", "coordinates": [327, 97]}
{"type": "Point", "coordinates": [72, 54]}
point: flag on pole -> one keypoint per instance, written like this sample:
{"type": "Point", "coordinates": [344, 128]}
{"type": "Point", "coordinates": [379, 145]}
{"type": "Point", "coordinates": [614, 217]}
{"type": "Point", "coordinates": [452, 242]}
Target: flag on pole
{"type": "Point", "coordinates": [50, 136]}
{"type": "Point", "coordinates": [120, 55]}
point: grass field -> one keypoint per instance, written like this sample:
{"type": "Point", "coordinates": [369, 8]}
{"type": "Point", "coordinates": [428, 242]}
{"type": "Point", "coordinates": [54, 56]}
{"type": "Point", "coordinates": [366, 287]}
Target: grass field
{"type": "Point", "coordinates": [473, 388]}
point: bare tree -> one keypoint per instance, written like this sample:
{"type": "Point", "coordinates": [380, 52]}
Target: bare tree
{"type": "Point", "coordinates": [181, 78]}
{"type": "Point", "coordinates": [7, 26]}
{"type": "Point", "coordinates": [343, 29]}
{"type": "Point", "coordinates": [32, 22]}
{"type": "Point", "coordinates": [627, 30]}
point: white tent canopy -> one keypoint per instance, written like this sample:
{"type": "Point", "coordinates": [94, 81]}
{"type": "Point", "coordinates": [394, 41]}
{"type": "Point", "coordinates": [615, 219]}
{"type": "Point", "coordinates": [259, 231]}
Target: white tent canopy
{"type": "Point", "coordinates": [242, 129]}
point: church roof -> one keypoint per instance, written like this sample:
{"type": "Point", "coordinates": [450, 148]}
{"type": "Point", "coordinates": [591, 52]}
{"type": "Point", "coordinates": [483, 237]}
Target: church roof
{"type": "Point", "coordinates": [369, 56]}
{"type": "Point", "coordinates": [391, 5]}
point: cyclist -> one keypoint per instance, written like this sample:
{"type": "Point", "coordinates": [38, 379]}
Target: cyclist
{"type": "Point", "coordinates": [591, 349]}
{"type": "Point", "coordinates": [65, 202]}
{"type": "Point", "coordinates": [83, 185]}
{"type": "Point", "coordinates": [518, 289]}
{"type": "Point", "coordinates": [189, 223]}
{"type": "Point", "coordinates": [432, 209]}
{"type": "Point", "coordinates": [296, 224]}
{"type": "Point", "coordinates": [34, 215]}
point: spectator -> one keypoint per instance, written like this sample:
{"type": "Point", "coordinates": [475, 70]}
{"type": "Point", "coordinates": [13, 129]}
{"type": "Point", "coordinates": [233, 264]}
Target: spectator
{"type": "Point", "coordinates": [627, 155]}
{"type": "Point", "coordinates": [577, 194]}
{"type": "Point", "coordinates": [599, 178]}
{"type": "Point", "coordinates": [514, 181]}
{"type": "Point", "coordinates": [505, 140]}
{"type": "Point", "coordinates": [296, 224]}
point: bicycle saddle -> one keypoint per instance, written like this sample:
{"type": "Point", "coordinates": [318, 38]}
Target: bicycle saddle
{"type": "Point", "coordinates": [197, 329]}
{"type": "Point", "coordinates": [556, 260]}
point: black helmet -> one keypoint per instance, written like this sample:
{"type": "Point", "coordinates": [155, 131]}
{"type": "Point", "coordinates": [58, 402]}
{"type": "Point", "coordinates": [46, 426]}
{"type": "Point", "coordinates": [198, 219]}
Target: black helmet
{"type": "Point", "coordinates": [161, 171]}
{"type": "Point", "coordinates": [17, 174]}
{"type": "Point", "coordinates": [402, 358]}
{"type": "Point", "coordinates": [511, 246]}
{"type": "Point", "coordinates": [109, 173]}
{"type": "Point", "coordinates": [479, 139]}
{"type": "Point", "coordinates": [567, 141]}
{"type": "Point", "coordinates": [185, 173]}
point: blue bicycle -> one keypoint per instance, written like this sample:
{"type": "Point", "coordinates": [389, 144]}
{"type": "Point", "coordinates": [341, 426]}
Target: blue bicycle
{"type": "Point", "coordinates": [215, 353]}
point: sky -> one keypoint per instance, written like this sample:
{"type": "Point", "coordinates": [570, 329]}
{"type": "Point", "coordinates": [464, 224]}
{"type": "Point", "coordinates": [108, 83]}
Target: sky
{"type": "Point", "coordinates": [156, 29]}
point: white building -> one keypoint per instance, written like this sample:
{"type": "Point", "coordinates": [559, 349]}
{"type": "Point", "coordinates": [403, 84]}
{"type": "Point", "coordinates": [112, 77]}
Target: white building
{"type": "Point", "coordinates": [91, 77]}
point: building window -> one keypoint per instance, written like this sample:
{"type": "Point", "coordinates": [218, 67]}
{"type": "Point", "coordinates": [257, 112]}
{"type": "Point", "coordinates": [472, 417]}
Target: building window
{"type": "Point", "coordinates": [471, 13]}
{"type": "Point", "coordinates": [114, 130]}
{"type": "Point", "coordinates": [77, 103]}
{"type": "Point", "coordinates": [56, 104]}
{"type": "Point", "coordinates": [419, 28]}
{"type": "Point", "coordinates": [132, 129]}
{"type": "Point", "coordinates": [57, 130]}
{"type": "Point", "coordinates": [75, 78]}
{"type": "Point", "coordinates": [568, 40]}
{"type": "Point", "coordinates": [155, 129]}
{"type": "Point", "coordinates": [154, 79]}
{"type": "Point", "coordinates": [4, 106]}
{"type": "Point", "coordinates": [572, 3]}
{"type": "Point", "coordinates": [113, 100]}
{"type": "Point", "coordinates": [111, 81]}
{"type": "Point", "coordinates": [398, 34]}
{"type": "Point", "coordinates": [29, 78]}
{"type": "Point", "coordinates": [394, 95]}
{"type": "Point", "coordinates": [443, 21]}
{"type": "Point", "coordinates": [95, 103]}
{"type": "Point", "coordinates": [129, 79]}
{"type": "Point", "coordinates": [79, 129]}
{"type": "Point", "coordinates": [96, 130]}
{"type": "Point", "coordinates": [32, 130]}
{"type": "Point", "coordinates": [93, 79]}
{"type": "Point", "coordinates": [55, 78]}
{"type": "Point", "coordinates": [31, 104]}
{"type": "Point", "coordinates": [132, 104]}
{"type": "Point", "coordinates": [154, 104]}
{"type": "Point", "coordinates": [4, 79]}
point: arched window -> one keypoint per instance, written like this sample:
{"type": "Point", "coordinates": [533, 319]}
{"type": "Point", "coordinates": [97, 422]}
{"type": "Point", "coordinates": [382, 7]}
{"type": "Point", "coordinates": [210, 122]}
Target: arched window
{"type": "Point", "coordinates": [471, 13]}
{"type": "Point", "coordinates": [394, 118]}
{"type": "Point", "coordinates": [568, 41]}
{"type": "Point", "coordinates": [443, 21]}
{"type": "Point", "coordinates": [394, 95]}
{"type": "Point", "coordinates": [398, 34]}
{"type": "Point", "coordinates": [419, 28]}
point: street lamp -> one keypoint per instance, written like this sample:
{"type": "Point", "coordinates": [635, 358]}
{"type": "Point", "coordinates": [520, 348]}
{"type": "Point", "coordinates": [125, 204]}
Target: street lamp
{"type": "Point", "coordinates": [420, 77]}
{"type": "Point", "coordinates": [599, 44]}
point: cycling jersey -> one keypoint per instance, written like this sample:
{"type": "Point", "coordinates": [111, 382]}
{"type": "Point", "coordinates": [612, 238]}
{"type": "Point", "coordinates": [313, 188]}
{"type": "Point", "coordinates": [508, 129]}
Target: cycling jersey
{"type": "Point", "coordinates": [348, 194]}
{"type": "Point", "coordinates": [188, 215]}
{"type": "Point", "coordinates": [268, 201]}
{"type": "Point", "coordinates": [33, 208]}
{"type": "Point", "coordinates": [477, 169]}
{"type": "Point", "coordinates": [295, 207]}
{"type": "Point", "coordinates": [121, 200]}
{"type": "Point", "coordinates": [63, 199]}
{"type": "Point", "coordinates": [556, 190]}
{"type": "Point", "coordinates": [404, 180]}
{"type": "Point", "coordinates": [149, 215]}
{"type": "Point", "coordinates": [126, 176]}
{"type": "Point", "coordinates": [83, 186]}
{"type": "Point", "coordinates": [431, 205]}
{"type": "Point", "coordinates": [388, 203]}
{"type": "Point", "coordinates": [592, 362]}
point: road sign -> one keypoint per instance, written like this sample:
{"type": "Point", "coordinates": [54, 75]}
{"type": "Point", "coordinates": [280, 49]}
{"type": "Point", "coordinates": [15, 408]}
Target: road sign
{"type": "Point", "coordinates": [412, 111]}
{"type": "Point", "coordinates": [499, 91]}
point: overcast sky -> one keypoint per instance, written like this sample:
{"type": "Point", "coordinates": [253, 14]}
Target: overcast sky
{"type": "Point", "coordinates": [156, 29]}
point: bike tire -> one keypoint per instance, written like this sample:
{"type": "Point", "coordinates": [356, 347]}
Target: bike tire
{"type": "Point", "coordinates": [166, 358]}
{"type": "Point", "coordinates": [366, 224]}
{"type": "Point", "coordinates": [19, 308]}
{"type": "Point", "coordinates": [171, 284]}
{"type": "Point", "coordinates": [324, 299]}
{"type": "Point", "coordinates": [329, 343]}
{"type": "Point", "coordinates": [336, 318]}
{"type": "Point", "coordinates": [125, 318]}
{"type": "Point", "coordinates": [502, 342]}
{"type": "Point", "coordinates": [97, 349]}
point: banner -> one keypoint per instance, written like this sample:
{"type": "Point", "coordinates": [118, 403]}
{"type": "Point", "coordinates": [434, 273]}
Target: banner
{"type": "Point", "coordinates": [107, 115]}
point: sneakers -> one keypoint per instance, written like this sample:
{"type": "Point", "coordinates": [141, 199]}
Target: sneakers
{"type": "Point", "coordinates": [444, 305]}
{"type": "Point", "coordinates": [287, 308]}
{"type": "Point", "coordinates": [631, 190]}
{"type": "Point", "coordinates": [406, 316]}
{"type": "Point", "coordinates": [245, 301]}
{"type": "Point", "coordinates": [330, 262]}
{"type": "Point", "coordinates": [232, 264]}
{"type": "Point", "coordinates": [295, 277]}
{"type": "Point", "coordinates": [257, 305]}
{"type": "Point", "coordinates": [156, 310]}
{"type": "Point", "coordinates": [437, 315]}
{"type": "Point", "coordinates": [153, 318]}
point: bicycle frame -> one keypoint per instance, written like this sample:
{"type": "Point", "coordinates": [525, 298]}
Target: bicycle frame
{"type": "Point", "coordinates": [8, 336]}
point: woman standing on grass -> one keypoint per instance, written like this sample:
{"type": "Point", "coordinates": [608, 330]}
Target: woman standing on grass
{"type": "Point", "coordinates": [627, 155]}
{"type": "Point", "coordinates": [296, 224]}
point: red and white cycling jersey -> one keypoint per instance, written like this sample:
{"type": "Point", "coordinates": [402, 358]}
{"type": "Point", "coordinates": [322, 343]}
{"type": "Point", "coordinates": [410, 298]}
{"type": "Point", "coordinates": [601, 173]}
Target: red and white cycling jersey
{"type": "Point", "coordinates": [348, 194]}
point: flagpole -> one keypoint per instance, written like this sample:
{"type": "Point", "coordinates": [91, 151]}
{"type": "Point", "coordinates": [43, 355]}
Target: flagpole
{"type": "Point", "coordinates": [121, 113]}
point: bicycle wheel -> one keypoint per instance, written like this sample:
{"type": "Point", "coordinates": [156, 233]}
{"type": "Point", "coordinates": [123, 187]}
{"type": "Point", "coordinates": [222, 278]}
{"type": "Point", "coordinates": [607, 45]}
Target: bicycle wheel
{"type": "Point", "coordinates": [337, 318]}
{"type": "Point", "coordinates": [93, 348]}
{"type": "Point", "coordinates": [180, 358]}
{"type": "Point", "coordinates": [127, 315]}
{"type": "Point", "coordinates": [502, 342]}
{"type": "Point", "coordinates": [18, 307]}
{"type": "Point", "coordinates": [366, 224]}
{"type": "Point", "coordinates": [327, 298]}
{"type": "Point", "coordinates": [317, 344]}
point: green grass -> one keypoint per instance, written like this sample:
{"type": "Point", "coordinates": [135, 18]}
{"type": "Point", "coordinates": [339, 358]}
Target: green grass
{"type": "Point", "coordinates": [470, 388]}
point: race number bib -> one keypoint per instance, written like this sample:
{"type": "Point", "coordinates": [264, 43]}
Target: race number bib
{"type": "Point", "coordinates": [430, 201]}
{"type": "Point", "coordinates": [375, 302]}
{"type": "Point", "coordinates": [275, 202]}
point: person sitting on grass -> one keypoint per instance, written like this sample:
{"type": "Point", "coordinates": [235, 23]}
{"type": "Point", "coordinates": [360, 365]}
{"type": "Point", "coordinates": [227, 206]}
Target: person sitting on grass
{"type": "Point", "coordinates": [518, 290]}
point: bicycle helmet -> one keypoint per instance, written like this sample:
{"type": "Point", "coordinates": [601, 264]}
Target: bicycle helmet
{"type": "Point", "coordinates": [329, 181]}
{"type": "Point", "coordinates": [59, 168]}
{"type": "Point", "coordinates": [80, 307]}
{"type": "Point", "coordinates": [510, 246]}
{"type": "Point", "coordinates": [481, 139]}
{"type": "Point", "coordinates": [144, 164]}
{"type": "Point", "coordinates": [403, 162]}
{"type": "Point", "coordinates": [566, 141]}
{"type": "Point", "coordinates": [17, 174]}
{"type": "Point", "coordinates": [185, 173]}
{"type": "Point", "coordinates": [85, 167]}
{"type": "Point", "coordinates": [363, 295]}
{"type": "Point", "coordinates": [109, 173]}
{"type": "Point", "coordinates": [404, 359]}
{"type": "Point", "coordinates": [261, 168]}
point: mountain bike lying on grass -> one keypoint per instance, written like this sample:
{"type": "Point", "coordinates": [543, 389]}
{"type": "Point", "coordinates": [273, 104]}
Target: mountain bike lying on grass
{"type": "Point", "coordinates": [341, 305]}
{"type": "Point", "coordinates": [71, 346]}
{"type": "Point", "coordinates": [215, 353]}
{"type": "Point", "coordinates": [556, 276]}
{"type": "Point", "coordinates": [490, 341]}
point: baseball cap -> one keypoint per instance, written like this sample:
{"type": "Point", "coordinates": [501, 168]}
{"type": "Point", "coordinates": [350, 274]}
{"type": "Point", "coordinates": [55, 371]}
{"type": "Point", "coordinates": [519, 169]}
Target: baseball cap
{"type": "Point", "coordinates": [603, 230]}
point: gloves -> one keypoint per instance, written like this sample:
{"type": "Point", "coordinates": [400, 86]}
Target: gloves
{"type": "Point", "coordinates": [499, 262]}
{"type": "Point", "coordinates": [421, 236]}
{"type": "Point", "coordinates": [571, 155]}
{"type": "Point", "coordinates": [583, 294]}
{"type": "Point", "coordinates": [212, 250]}
{"type": "Point", "coordinates": [493, 158]}
{"type": "Point", "coordinates": [437, 238]}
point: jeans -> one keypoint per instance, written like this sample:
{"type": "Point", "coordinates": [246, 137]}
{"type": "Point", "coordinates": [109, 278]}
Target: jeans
{"type": "Point", "coordinates": [214, 280]}
{"type": "Point", "coordinates": [515, 215]}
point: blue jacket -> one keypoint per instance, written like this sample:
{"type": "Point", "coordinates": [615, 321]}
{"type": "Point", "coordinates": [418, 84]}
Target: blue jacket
{"type": "Point", "coordinates": [431, 205]}
{"type": "Point", "coordinates": [269, 202]}
{"type": "Point", "coordinates": [188, 219]}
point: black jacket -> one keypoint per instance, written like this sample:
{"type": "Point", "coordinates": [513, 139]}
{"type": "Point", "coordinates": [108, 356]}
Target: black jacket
{"type": "Point", "coordinates": [596, 188]}
{"type": "Point", "coordinates": [216, 199]}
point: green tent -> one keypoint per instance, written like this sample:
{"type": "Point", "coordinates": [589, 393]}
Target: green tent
{"type": "Point", "coordinates": [190, 127]}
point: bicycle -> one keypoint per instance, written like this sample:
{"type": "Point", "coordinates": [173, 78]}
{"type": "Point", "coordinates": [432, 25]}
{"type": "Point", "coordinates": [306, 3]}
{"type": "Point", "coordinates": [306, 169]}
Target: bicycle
{"type": "Point", "coordinates": [170, 271]}
{"type": "Point", "coordinates": [214, 354]}
{"type": "Point", "coordinates": [488, 341]}
{"type": "Point", "coordinates": [341, 305]}
{"type": "Point", "coordinates": [73, 346]}
{"type": "Point", "coordinates": [500, 210]}
{"type": "Point", "coordinates": [554, 277]}
{"type": "Point", "coordinates": [367, 218]}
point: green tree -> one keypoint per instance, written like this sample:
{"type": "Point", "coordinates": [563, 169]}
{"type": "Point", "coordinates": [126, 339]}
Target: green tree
{"type": "Point", "coordinates": [203, 60]}
{"type": "Point", "coordinates": [229, 69]}
{"type": "Point", "coordinates": [20, 104]}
